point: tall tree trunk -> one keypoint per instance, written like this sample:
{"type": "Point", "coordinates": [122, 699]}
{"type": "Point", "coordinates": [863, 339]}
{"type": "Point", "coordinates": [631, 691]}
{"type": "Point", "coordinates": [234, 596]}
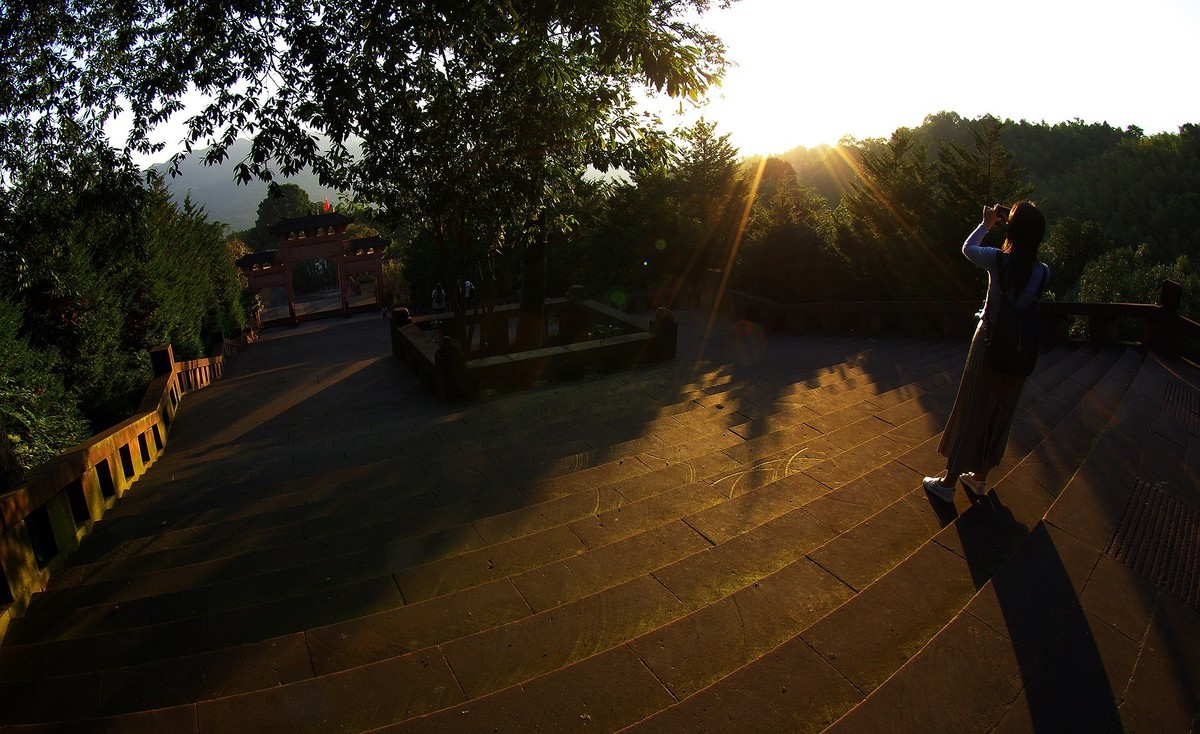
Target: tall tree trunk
{"type": "Point", "coordinates": [11, 473]}
{"type": "Point", "coordinates": [531, 319]}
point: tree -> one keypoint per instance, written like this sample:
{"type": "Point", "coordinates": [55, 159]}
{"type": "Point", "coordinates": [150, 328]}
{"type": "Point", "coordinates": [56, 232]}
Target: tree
{"type": "Point", "coordinates": [969, 178]}
{"type": "Point", "coordinates": [704, 200]}
{"type": "Point", "coordinates": [885, 217]}
{"type": "Point", "coordinates": [39, 417]}
{"type": "Point", "coordinates": [473, 117]}
{"type": "Point", "coordinates": [103, 265]}
{"type": "Point", "coordinates": [68, 233]}
{"type": "Point", "coordinates": [786, 253]}
{"type": "Point", "coordinates": [282, 202]}
{"type": "Point", "coordinates": [1131, 275]}
{"type": "Point", "coordinates": [1144, 190]}
{"type": "Point", "coordinates": [1068, 248]}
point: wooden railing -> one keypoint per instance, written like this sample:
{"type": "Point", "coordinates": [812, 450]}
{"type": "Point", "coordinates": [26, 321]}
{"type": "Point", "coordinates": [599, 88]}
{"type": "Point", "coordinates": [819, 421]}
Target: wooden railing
{"type": "Point", "coordinates": [42, 521]}
{"type": "Point", "coordinates": [1159, 326]}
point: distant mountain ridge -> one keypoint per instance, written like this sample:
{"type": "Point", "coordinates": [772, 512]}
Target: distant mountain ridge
{"type": "Point", "coordinates": [225, 200]}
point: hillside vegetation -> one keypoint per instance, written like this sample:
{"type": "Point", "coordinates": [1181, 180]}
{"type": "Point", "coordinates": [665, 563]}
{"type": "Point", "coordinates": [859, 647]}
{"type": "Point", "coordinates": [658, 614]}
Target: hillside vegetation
{"type": "Point", "coordinates": [884, 219]}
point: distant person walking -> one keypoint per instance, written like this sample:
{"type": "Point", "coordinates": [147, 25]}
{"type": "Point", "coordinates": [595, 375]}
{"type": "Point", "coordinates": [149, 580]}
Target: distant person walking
{"type": "Point", "coordinates": [980, 421]}
{"type": "Point", "coordinates": [439, 299]}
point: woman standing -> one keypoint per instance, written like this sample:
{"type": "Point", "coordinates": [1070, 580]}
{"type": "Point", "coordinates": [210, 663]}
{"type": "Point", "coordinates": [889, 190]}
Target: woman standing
{"type": "Point", "coordinates": [977, 432]}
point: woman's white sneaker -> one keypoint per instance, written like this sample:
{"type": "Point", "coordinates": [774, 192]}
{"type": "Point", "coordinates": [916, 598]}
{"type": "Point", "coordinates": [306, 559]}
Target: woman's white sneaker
{"type": "Point", "coordinates": [934, 486]}
{"type": "Point", "coordinates": [978, 487]}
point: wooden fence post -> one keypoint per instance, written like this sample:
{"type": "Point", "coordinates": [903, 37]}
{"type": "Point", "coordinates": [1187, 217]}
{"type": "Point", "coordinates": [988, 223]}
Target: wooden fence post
{"type": "Point", "coordinates": [1169, 299]}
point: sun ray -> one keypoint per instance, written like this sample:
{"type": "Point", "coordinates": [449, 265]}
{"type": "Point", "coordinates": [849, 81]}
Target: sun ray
{"type": "Point", "coordinates": [733, 250]}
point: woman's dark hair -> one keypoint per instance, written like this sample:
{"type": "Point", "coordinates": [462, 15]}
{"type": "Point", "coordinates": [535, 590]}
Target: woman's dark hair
{"type": "Point", "coordinates": [1026, 230]}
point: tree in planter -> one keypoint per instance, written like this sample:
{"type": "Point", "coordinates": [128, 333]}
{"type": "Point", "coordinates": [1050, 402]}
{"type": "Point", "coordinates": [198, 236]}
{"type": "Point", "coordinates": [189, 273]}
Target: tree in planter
{"type": "Point", "coordinates": [472, 116]}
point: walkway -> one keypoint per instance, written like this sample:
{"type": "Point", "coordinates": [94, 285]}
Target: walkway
{"type": "Point", "coordinates": [734, 543]}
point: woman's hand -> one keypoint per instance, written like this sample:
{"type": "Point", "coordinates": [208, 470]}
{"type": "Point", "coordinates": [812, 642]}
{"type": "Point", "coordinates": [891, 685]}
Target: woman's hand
{"type": "Point", "coordinates": [989, 215]}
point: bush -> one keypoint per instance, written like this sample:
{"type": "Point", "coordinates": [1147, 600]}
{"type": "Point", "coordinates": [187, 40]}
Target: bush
{"type": "Point", "coordinates": [39, 416]}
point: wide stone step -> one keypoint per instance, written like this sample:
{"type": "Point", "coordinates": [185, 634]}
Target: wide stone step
{"type": "Point", "coordinates": [683, 557]}
{"type": "Point", "coordinates": [700, 593]}
{"type": "Point", "coordinates": [1077, 638]}
{"type": "Point", "coordinates": [932, 573]}
{"type": "Point", "coordinates": [127, 589]}
{"type": "Point", "coordinates": [135, 613]}
{"type": "Point", "coordinates": [213, 541]}
{"type": "Point", "coordinates": [160, 635]}
{"type": "Point", "coordinates": [512, 445]}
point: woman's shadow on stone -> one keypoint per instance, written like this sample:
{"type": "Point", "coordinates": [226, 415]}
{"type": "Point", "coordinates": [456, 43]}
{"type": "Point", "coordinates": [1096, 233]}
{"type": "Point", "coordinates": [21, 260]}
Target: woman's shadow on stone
{"type": "Point", "coordinates": [1028, 584]}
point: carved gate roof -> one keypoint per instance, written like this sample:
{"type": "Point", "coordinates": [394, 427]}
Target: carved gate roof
{"type": "Point", "coordinates": [252, 259]}
{"type": "Point", "coordinates": [314, 221]}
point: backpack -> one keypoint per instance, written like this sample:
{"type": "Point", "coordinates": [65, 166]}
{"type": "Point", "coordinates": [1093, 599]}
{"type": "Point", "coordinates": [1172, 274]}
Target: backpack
{"type": "Point", "coordinates": [1014, 332]}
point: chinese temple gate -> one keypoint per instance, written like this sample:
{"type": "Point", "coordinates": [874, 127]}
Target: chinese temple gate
{"type": "Point", "coordinates": [320, 236]}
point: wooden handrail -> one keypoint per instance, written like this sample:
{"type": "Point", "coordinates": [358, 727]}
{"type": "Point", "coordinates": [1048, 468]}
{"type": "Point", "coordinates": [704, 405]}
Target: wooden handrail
{"type": "Point", "coordinates": [43, 520]}
{"type": "Point", "coordinates": [1163, 327]}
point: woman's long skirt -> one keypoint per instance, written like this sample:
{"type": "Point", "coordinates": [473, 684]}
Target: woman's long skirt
{"type": "Point", "coordinates": [977, 432]}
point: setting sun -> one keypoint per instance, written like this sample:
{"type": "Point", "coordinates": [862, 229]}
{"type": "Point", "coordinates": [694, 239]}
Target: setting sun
{"type": "Point", "coordinates": [811, 73]}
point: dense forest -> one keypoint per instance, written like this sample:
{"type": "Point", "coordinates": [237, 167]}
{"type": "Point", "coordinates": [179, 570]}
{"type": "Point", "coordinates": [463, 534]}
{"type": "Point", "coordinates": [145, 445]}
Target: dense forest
{"type": "Point", "coordinates": [884, 219]}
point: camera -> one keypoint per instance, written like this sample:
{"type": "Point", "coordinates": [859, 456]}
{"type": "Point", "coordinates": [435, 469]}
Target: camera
{"type": "Point", "coordinates": [1002, 212]}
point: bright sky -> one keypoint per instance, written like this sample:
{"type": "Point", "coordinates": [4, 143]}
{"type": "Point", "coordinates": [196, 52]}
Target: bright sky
{"type": "Point", "coordinates": [810, 72]}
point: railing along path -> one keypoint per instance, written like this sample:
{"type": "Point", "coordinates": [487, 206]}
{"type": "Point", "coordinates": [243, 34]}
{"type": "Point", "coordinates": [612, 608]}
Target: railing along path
{"type": "Point", "coordinates": [45, 519]}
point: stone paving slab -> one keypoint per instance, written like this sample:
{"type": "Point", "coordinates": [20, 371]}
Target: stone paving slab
{"type": "Point", "coordinates": [372, 638]}
{"type": "Point", "coordinates": [582, 699]}
{"type": "Point", "coordinates": [1076, 685]}
{"type": "Point", "coordinates": [181, 719]}
{"type": "Point", "coordinates": [854, 502]}
{"type": "Point", "coordinates": [550, 585]}
{"type": "Point", "coordinates": [176, 682]}
{"type": "Point", "coordinates": [859, 555]}
{"type": "Point", "coordinates": [721, 570]}
{"type": "Point", "coordinates": [729, 519]}
{"type": "Point", "coordinates": [509, 655]}
{"type": "Point", "coordinates": [1164, 691]}
{"type": "Point", "coordinates": [793, 689]}
{"type": "Point", "coordinates": [487, 564]}
{"type": "Point", "coordinates": [902, 610]}
{"type": "Point", "coordinates": [946, 690]}
{"type": "Point", "coordinates": [353, 700]}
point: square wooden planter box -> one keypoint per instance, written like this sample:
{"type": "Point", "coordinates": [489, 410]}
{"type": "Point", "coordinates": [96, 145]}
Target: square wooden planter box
{"type": "Point", "coordinates": [590, 336]}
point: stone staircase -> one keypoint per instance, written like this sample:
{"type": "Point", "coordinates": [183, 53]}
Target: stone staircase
{"type": "Point", "coordinates": [736, 541]}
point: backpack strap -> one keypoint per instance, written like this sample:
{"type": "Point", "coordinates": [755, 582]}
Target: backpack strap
{"type": "Point", "coordinates": [1042, 283]}
{"type": "Point", "coordinates": [1000, 261]}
